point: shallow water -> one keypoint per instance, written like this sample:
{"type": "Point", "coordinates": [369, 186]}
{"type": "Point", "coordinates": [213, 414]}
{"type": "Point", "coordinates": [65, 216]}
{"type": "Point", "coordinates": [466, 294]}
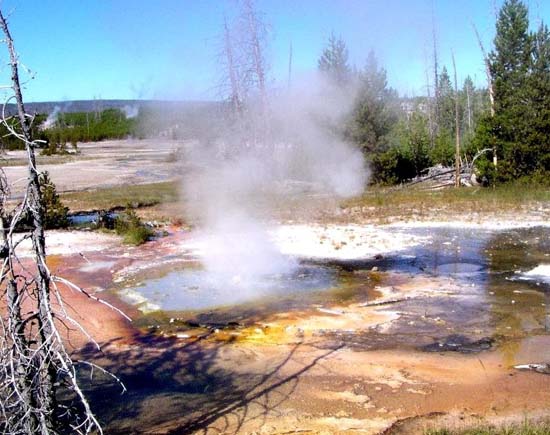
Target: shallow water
{"type": "Point", "coordinates": [89, 218]}
{"type": "Point", "coordinates": [474, 282]}
{"type": "Point", "coordinates": [472, 291]}
{"type": "Point", "coordinates": [196, 289]}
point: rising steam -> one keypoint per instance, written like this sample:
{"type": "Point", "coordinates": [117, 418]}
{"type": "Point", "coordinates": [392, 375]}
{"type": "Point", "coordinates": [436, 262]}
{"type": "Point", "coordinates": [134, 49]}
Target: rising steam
{"type": "Point", "coordinates": [52, 118]}
{"type": "Point", "coordinates": [232, 188]}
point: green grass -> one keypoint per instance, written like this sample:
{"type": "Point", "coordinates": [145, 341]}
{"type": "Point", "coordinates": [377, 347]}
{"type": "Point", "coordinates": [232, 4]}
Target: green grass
{"type": "Point", "coordinates": [43, 160]}
{"type": "Point", "coordinates": [377, 203]}
{"type": "Point", "coordinates": [385, 201]}
{"type": "Point", "coordinates": [525, 428]}
{"type": "Point", "coordinates": [140, 195]}
{"type": "Point", "coordinates": [136, 235]}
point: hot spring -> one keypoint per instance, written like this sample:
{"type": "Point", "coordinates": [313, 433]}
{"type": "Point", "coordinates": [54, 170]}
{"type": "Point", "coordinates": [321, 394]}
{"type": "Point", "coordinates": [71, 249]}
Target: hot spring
{"type": "Point", "coordinates": [471, 280]}
{"type": "Point", "coordinates": [196, 289]}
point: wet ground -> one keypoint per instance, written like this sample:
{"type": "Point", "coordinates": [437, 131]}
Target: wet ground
{"type": "Point", "coordinates": [342, 346]}
{"type": "Point", "coordinates": [457, 287]}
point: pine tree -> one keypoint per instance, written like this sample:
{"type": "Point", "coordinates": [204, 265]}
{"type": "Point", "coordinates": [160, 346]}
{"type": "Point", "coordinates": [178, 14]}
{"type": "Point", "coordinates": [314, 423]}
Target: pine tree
{"type": "Point", "coordinates": [374, 114]}
{"type": "Point", "coordinates": [520, 70]}
{"type": "Point", "coordinates": [511, 54]}
{"type": "Point", "coordinates": [510, 69]}
{"type": "Point", "coordinates": [538, 140]}
{"type": "Point", "coordinates": [445, 110]}
{"type": "Point", "coordinates": [334, 62]}
{"type": "Point", "coordinates": [55, 213]}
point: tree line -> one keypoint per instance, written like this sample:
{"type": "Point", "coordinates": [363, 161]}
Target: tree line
{"type": "Point", "coordinates": [402, 137]}
{"type": "Point", "coordinates": [67, 129]}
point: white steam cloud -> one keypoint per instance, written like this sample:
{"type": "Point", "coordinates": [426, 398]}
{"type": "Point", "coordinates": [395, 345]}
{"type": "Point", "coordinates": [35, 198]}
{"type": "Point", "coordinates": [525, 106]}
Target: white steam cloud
{"type": "Point", "coordinates": [52, 118]}
{"type": "Point", "coordinates": [130, 111]}
{"type": "Point", "coordinates": [232, 188]}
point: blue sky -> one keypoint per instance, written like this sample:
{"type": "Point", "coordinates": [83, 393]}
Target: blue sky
{"type": "Point", "coordinates": [167, 48]}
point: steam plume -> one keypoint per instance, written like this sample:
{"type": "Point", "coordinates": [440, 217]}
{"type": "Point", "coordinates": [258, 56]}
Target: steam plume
{"type": "Point", "coordinates": [235, 180]}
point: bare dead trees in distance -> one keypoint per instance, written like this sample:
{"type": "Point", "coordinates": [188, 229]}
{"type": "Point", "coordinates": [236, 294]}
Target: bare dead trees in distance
{"type": "Point", "coordinates": [457, 126]}
{"type": "Point", "coordinates": [232, 73]}
{"type": "Point", "coordinates": [254, 42]}
{"type": "Point", "coordinates": [490, 86]}
{"type": "Point", "coordinates": [243, 55]}
{"type": "Point", "coordinates": [34, 363]}
{"type": "Point", "coordinates": [244, 76]}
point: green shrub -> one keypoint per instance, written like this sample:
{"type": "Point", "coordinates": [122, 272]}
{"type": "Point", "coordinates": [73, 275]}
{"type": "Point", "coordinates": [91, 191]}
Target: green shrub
{"type": "Point", "coordinates": [129, 226]}
{"type": "Point", "coordinates": [443, 151]}
{"type": "Point", "coordinates": [392, 167]}
{"type": "Point", "coordinates": [55, 213]}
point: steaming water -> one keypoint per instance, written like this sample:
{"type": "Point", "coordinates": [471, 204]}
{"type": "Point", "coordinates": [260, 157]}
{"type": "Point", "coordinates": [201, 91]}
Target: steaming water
{"type": "Point", "coordinates": [231, 183]}
{"type": "Point", "coordinates": [479, 278]}
{"type": "Point", "coordinates": [192, 289]}
{"type": "Point", "coordinates": [470, 296]}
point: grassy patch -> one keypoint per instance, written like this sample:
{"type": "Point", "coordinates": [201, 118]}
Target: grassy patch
{"type": "Point", "coordinates": [45, 160]}
{"type": "Point", "coordinates": [406, 201]}
{"type": "Point", "coordinates": [378, 204]}
{"type": "Point", "coordinates": [140, 195]}
{"type": "Point", "coordinates": [525, 428]}
{"type": "Point", "coordinates": [133, 231]}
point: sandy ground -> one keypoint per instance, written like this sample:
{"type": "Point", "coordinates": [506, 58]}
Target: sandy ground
{"type": "Point", "coordinates": [340, 241]}
{"type": "Point", "coordinates": [60, 242]}
{"type": "Point", "coordinates": [104, 164]}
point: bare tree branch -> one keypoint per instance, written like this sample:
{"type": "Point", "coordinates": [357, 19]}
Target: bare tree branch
{"type": "Point", "coordinates": [34, 363]}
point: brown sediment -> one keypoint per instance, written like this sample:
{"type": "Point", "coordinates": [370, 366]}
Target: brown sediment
{"type": "Point", "coordinates": [246, 387]}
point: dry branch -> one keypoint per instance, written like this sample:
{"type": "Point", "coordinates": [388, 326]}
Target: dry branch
{"type": "Point", "coordinates": [34, 364]}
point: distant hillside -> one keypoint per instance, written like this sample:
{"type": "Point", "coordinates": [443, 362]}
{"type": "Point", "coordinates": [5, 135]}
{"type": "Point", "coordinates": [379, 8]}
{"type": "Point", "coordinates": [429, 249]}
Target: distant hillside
{"type": "Point", "coordinates": [125, 105]}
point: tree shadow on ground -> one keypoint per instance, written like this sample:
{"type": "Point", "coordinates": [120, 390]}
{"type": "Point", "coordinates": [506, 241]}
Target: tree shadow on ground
{"type": "Point", "coordinates": [204, 386]}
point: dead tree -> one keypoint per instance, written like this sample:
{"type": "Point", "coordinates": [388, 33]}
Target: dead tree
{"type": "Point", "coordinates": [487, 64]}
{"type": "Point", "coordinates": [430, 111]}
{"type": "Point", "coordinates": [289, 84]}
{"type": "Point", "coordinates": [244, 76]}
{"type": "Point", "coordinates": [468, 108]}
{"type": "Point", "coordinates": [437, 96]}
{"type": "Point", "coordinates": [457, 127]}
{"type": "Point", "coordinates": [34, 364]}
{"type": "Point", "coordinates": [253, 37]}
{"type": "Point", "coordinates": [232, 72]}
{"type": "Point", "coordinates": [490, 86]}
{"type": "Point", "coordinates": [255, 31]}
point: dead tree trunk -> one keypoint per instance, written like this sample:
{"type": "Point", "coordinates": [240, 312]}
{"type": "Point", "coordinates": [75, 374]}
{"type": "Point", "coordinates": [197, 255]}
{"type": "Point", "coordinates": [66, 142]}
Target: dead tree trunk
{"type": "Point", "coordinates": [33, 360]}
{"type": "Point", "coordinates": [430, 103]}
{"type": "Point", "coordinates": [437, 97]}
{"type": "Point", "coordinates": [457, 128]}
{"type": "Point", "coordinates": [46, 371]}
{"type": "Point", "coordinates": [469, 109]}
{"type": "Point", "coordinates": [232, 73]}
{"type": "Point", "coordinates": [290, 66]}
{"type": "Point", "coordinates": [490, 86]}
